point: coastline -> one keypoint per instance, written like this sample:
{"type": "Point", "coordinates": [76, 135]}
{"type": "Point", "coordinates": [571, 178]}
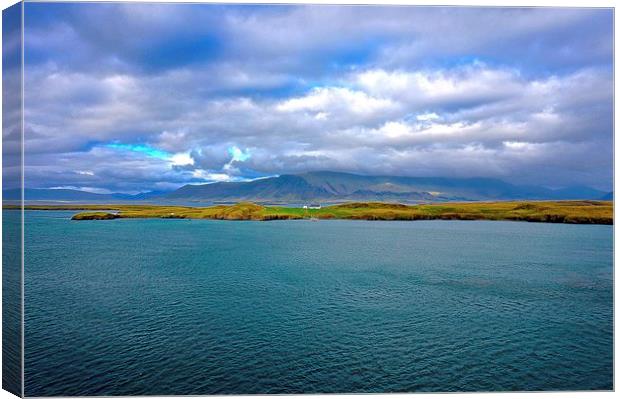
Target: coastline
{"type": "Point", "coordinates": [573, 212]}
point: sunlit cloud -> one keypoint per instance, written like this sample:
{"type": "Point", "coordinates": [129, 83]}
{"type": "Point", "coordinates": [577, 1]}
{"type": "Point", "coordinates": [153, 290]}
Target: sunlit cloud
{"type": "Point", "coordinates": [181, 159]}
{"type": "Point", "coordinates": [427, 117]}
{"type": "Point", "coordinates": [178, 159]}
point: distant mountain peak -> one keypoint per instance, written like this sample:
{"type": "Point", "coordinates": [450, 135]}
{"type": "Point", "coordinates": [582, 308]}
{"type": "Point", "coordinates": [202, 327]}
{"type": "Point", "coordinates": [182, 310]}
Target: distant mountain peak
{"type": "Point", "coordinates": [325, 185]}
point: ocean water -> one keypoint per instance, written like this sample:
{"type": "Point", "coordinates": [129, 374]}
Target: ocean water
{"type": "Point", "coordinates": [11, 302]}
{"type": "Point", "coordinates": [140, 307]}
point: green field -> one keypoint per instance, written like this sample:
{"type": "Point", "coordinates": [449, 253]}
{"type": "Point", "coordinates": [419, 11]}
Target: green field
{"type": "Point", "coordinates": [580, 212]}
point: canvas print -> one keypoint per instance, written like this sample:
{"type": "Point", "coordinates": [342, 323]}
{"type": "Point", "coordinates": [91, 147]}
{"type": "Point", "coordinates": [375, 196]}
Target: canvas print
{"type": "Point", "coordinates": [204, 199]}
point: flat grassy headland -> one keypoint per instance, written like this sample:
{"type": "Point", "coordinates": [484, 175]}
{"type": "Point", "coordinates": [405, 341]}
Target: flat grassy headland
{"type": "Point", "coordinates": [579, 212]}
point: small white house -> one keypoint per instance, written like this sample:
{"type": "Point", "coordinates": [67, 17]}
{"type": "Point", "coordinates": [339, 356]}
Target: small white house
{"type": "Point", "coordinates": [314, 206]}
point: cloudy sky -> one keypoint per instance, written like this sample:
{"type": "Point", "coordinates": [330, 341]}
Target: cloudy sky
{"type": "Point", "coordinates": [137, 97]}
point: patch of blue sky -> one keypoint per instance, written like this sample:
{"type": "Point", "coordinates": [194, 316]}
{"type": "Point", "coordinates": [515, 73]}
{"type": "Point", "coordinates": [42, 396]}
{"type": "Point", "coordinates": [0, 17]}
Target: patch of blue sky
{"type": "Point", "coordinates": [464, 60]}
{"type": "Point", "coordinates": [140, 148]}
{"type": "Point", "coordinates": [238, 154]}
{"type": "Point", "coordinates": [354, 54]}
{"type": "Point", "coordinates": [181, 50]}
{"type": "Point", "coordinates": [286, 89]}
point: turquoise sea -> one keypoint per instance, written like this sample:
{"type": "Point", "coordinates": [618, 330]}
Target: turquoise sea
{"type": "Point", "coordinates": [140, 307]}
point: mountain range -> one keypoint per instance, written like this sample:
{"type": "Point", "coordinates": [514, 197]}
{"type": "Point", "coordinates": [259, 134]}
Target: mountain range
{"type": "Point", "coordinates": [70, 195]}
{"type": "Point", "coordinates": [331, 187]}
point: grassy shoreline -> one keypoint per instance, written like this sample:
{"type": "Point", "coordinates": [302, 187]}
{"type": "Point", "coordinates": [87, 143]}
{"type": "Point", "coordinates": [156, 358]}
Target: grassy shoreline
{"type": "Point", "coordinates": [576, 212]}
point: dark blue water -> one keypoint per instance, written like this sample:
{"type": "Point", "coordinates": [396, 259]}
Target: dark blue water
{"type": "Point", "coordinates": [12, 301]}
{"type": "Point", "coordinates": [127, 307]}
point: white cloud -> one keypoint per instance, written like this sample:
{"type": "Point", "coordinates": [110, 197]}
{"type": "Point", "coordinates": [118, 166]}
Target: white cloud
{"type": "Point", "coordinates": [427, 117]}
{"type": "Point", "coordinates": [330, 127]}
{"type": "Point", "coordinates": [324, 100]}
{"type": "Point", "coordinates": [211, 177]}
{"type": "Point", "coordinates": [181, 159]}
{"type": "Point", "coordinates": [517, 145]}
{"type": "Point", "coordinates": [443, 87]}
{"type": "Point", "coordinates": [395, 130]}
